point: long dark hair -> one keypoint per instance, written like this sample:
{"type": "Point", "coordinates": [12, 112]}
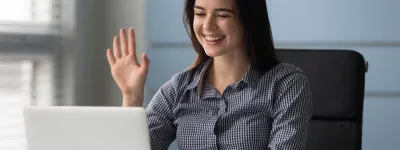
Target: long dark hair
{"type": "Point", "coordinates": [253, 16]}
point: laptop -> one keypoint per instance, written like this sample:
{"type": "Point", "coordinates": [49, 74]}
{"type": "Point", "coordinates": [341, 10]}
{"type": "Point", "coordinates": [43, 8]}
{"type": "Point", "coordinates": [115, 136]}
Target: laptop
{"type": "Point", "coordinates": [86, 128]}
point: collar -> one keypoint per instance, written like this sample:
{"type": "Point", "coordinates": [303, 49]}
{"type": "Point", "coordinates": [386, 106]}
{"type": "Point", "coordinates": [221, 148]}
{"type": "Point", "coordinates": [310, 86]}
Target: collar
{"type": "Point", "coordinates": [250, 78]}
{"type": "Point", "coordinates": [199, 75]}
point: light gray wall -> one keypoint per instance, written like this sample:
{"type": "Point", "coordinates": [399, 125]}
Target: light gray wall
{"type": "Point", "coordinates": [367, 26]}
{"type": "Point", "coordinates": [91, 29]}
{"type": "Point", "coordinates": [90, 87]}
{"type": "Point", "coordinates": [122, 14]}
{"type": "Point", "coordinates": [65, 71]}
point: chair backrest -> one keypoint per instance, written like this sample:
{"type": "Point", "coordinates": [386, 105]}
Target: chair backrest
{"type": "Point", "coordinates": [337, 79]}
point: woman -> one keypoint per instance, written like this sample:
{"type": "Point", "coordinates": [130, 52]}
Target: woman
{"type": "Point", "coordinates": [237, 95]}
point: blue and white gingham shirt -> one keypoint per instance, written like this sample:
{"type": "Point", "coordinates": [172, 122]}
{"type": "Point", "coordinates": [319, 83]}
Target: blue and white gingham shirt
{"type": "Point", "coordinates": [268, 110]}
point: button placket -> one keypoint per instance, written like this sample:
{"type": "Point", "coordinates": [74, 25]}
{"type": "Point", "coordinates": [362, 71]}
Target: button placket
{"type": "Point", "coordinates": [222, 107]}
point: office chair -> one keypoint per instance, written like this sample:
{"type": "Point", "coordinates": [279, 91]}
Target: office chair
{"type": "Point", "coordinates": [337, 79]}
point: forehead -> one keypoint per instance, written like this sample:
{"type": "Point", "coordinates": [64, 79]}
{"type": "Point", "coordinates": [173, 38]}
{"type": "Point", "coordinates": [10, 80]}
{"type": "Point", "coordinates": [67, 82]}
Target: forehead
{"type": "Point", "coordinates": [212, 4]}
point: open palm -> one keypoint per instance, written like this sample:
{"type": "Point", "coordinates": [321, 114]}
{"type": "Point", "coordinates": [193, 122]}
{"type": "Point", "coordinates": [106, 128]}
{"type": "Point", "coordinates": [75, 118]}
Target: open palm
{"type": "Point", "coordinates": [129, 75]}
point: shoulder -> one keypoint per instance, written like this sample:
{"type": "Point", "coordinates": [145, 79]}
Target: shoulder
{"type": "Point", "coordinates": [289, 80]}
{"type": "Point", "coordinates": [166, 95]}
{"type": "Point", "coordinates": [181, 80]}
{"type": "Point", "coordinates": [285, 72]}
{"type": "Point", "coordinates": [284, 77]}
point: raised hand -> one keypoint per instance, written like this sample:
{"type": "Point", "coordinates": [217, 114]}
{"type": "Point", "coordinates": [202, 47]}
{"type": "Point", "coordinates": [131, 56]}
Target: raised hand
{"type": "Point", "coordinates": [129, 75]}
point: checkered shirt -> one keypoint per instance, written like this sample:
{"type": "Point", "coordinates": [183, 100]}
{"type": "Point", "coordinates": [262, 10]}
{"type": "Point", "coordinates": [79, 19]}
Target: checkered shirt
{"type": "Point", "coordinates": [269, 110]}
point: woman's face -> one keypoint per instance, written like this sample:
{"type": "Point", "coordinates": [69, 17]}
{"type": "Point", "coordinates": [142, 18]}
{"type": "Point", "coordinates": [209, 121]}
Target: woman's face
{"type": "Point", "coordinates": [216, 25]}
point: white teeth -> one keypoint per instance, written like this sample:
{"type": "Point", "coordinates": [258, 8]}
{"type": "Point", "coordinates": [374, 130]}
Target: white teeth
{"type": "Point", "coordinates": [209, 38]}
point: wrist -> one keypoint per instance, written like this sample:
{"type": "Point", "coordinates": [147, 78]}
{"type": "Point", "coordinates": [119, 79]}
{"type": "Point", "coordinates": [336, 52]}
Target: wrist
{"type": "Point", "coordinates": [132, 100]}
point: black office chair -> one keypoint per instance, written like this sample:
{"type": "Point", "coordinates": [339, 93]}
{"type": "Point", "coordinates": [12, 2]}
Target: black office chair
{"type": "Point", "coordinates": [337, 79]}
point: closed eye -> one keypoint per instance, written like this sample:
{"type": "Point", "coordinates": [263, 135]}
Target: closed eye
{"type": "Point", "coordinates": [223, 16]}
{"type": "Point", "coordinates": [199, 14]}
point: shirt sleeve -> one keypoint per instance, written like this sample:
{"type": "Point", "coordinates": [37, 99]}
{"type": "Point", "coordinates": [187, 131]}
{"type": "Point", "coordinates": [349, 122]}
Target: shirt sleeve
{"type": "Point", "coordinates": [160, 117]}
{"type": "Point", "coordinates": [292, 112]}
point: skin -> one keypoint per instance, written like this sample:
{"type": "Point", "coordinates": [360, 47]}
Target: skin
{"type": "Point", "coordinates": [220, 18]}
{"type": "Point", "coordinates": [213, 18]}
{"type": "Point", "coordinates": [129, 75]}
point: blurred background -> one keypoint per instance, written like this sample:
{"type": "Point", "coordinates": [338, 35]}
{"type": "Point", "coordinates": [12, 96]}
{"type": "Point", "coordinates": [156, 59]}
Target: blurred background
{"type": "Point", "coordinates": [52, 52]}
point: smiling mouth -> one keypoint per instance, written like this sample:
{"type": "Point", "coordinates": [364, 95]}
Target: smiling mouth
{"type": "Point", "coordinates": [214, 38]}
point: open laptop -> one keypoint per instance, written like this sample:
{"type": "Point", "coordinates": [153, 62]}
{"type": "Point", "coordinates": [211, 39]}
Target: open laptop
{"type": "Point", "coordinates": [86, 128]}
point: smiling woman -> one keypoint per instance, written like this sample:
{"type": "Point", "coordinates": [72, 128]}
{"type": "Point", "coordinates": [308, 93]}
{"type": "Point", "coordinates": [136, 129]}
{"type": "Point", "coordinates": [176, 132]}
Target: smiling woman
{"type": "Point", "coordinates": [236, 95]}
{"type": "Point", "coordinates": [241, 21]}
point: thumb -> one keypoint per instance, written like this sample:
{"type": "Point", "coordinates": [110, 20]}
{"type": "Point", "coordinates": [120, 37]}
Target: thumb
{"type": "Point", "coordinates": [145, 61]}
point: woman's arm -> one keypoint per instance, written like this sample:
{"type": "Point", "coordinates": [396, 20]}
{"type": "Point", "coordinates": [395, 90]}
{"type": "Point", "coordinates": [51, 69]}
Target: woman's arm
{"type": "Point", "coordinates": [292, 113]}
{"type": "Point", "coordinates": [160, 116]}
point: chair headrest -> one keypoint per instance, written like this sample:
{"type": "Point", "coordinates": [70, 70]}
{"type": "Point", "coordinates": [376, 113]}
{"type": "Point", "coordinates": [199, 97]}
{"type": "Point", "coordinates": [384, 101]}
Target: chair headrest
{"type": "Point", "coordinates": [337, 79]}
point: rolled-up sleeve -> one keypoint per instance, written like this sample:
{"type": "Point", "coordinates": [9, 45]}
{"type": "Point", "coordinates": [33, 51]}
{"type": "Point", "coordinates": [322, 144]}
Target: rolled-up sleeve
{"type": "Point", "coordinates": [292, 114]}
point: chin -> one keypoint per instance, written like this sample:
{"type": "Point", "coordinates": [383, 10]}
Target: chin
{"type": "Point", "coordinates": [214, 52]}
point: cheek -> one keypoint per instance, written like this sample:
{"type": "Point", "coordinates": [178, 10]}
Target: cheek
{"type": "Point", "coordinates": [234, 34]}
{"type": "Point", "coordinates": [196, 27]}
{"type": "Point", "coordinates": [233, 31]}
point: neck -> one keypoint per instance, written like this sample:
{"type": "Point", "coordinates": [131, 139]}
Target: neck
{"type": "Point", "coordinates": [228, 69]}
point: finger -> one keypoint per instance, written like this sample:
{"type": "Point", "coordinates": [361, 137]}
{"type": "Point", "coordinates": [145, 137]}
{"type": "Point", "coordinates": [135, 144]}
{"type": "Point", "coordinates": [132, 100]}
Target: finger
{"type": "Point", "coordinates": [116, 50]}
{"type": "Point", "coordinates": [145, 62]}
{"type": "Point", "coordinates": [110, 57]}
{"type": "Point", "coordinates": [124, 46]}
{"type": "Point", "coordinates": [132, 45]}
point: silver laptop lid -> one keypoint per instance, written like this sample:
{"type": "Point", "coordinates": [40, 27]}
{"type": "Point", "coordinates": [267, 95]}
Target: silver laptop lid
{"type": "Point", "coordinates": [86, 128]}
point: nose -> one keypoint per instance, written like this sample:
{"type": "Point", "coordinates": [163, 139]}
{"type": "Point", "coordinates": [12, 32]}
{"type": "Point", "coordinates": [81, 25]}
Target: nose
{"type": "Point", "coordinates": [210, 23]}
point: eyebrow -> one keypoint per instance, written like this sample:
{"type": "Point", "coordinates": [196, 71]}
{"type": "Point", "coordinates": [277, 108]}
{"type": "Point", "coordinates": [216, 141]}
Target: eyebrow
{"type": "Point", "coordinates": [217, 9]}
